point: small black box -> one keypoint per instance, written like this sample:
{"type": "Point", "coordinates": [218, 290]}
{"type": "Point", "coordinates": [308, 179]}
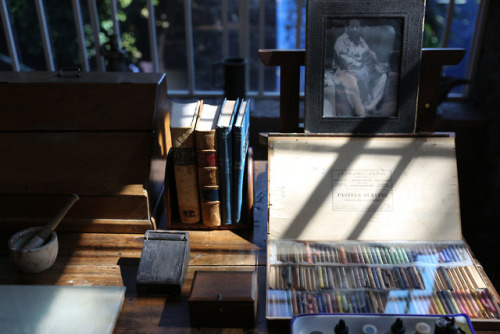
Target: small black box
{"type": "Point", "coordinates": [223, 299]}
{"type": "Point", "coordinates": [164, 262]}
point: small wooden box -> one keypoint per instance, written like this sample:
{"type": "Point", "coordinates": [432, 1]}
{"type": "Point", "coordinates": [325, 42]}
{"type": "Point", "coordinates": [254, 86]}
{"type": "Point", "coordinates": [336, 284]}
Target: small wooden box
{"type": "Point", "coordinates": [370, 225]}
{"type": "Point", "coordinates": [103, 136]}
{"type": "Point", "coordinates": [223, 299]}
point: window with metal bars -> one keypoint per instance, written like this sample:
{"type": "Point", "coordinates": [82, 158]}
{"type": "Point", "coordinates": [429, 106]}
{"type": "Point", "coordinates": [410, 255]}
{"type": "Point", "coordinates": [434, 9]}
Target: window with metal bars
{"type": "Point", "coordinates": [185, 38]}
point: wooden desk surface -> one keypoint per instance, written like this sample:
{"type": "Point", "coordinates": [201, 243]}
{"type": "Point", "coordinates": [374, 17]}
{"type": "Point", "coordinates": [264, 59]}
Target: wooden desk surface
{"type": "Point", "coordinates": [94, 259]}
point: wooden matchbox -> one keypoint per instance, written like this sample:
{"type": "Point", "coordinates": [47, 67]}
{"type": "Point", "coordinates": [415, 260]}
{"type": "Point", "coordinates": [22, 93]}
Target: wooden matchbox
{"type": "Point", "coordinates": [164, 262]}
{"type": "Point", "coordinates": [370, 225]}
{"type": "Point", "coordinates": [223, 299]}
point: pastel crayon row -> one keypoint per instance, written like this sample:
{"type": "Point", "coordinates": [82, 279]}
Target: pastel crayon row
{"type": "Point", "coordinates": [311, 252]}
{"type": "Point", "coordinates": [287, 303]}
{"type": "Point", "coordinates": [476, 304]}
{"type": "Point", "coordinates": [306, 277]}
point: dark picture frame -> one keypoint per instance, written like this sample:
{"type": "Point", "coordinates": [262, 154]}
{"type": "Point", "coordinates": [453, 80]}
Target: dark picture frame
{"type": "Point", "coordinates": [362, 65]}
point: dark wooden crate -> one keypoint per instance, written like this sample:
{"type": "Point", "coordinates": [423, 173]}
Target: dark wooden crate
{"type": "Point", "coordinates": [104, 136]}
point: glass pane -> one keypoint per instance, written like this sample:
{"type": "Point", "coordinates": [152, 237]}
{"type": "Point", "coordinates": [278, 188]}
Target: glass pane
{"type": "Point", "coordinates": [26, 32]}
{"type": "Point", "coordinates": [172, 43]}
{"type": "Point", "coordinates": [374, 278]}
{"type": "Point", "coordinates": [435, 21]}
{"type": "Point", "coordinates": [207, 40]}
{"type": "Point", "coordinates": [462, 31]}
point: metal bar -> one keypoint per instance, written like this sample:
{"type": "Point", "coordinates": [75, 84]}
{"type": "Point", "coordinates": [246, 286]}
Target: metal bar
{"type": "Point", "coordinates": [116, 24]}
{"type": "Point", "coordinates": [225, 31]}
{"type": "Point", "coordinates": [189, 44]}
{"type": "Point", "coordinates": [477, 41]}
{"type": "Point", "coordinates": [153, 49]}
{"type": "Point", "coordinates": [447, 26]}
{"type": "Point", "coordinates": [9, 37]}
{"type": "Point", "coordinates": [47, 48]}
{"type": "Point", "coordinates": [94, 21]}
{"type": "Point", "coordinates": [77, 13]}
{"type": "Point", "coordinates": [262, 29]}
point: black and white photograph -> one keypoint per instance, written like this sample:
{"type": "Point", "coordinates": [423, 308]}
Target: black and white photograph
{"type": "Point", "coordinates": [362, 64]}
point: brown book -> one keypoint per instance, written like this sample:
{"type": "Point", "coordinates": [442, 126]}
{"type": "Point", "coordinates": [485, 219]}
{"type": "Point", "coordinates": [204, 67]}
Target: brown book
{"type": "Point", "coordinates": [206, 158]}
{"type": "Point", "coordinates": [182, 124]}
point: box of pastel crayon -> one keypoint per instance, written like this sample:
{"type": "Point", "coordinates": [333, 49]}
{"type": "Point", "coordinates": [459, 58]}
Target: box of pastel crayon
{"type": "Point", "coordinates": [370, 225]}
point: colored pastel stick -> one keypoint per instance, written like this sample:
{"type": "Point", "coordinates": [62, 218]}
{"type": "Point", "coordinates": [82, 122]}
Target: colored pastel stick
{"type": "Point", "coordinates": [360, 298]}
{"type": "Point", "coordinates": [445, 254]}
{"type": "Point", "coordinates": [294, 302]}
{"type": "Point", "coordinates": [367, 255]}
{"type": "Point", "coordinates": [375, 278]}
{"type": "Point", "coordinates": [298, 297]}
{"type": "Point", "coordinates": [345, 304]}
{"type": "Point", "coordinates": [376, 302]}
{"type": "Point", "coordinates": [365, 298]}
{"type": "Point", "coordinates": [354, 304]}
{"type": "Point", "coordinates": [360, 254]}
{"type": "Point", "coordinates": [390, 260]}
{"type": "Point", "coordinates": [329, 303]}
{"type": "Point", "coordinates": [343, 276]}
{"type": "Point", "coordinates": [379, 256]}
{"type": "Point", "coordinates": [319, 302]}
{"type": "Point", "coordinates": [404, 256]}
{"type": "Point", "coordinates": [374, 255]}
{"type": "Point", "coordinates": [400, 279]}
{"type": "Point", "coordinates": [320, 277]}
{"type": "Point", "coordinates": [308, 252]}
{"type": "Point", "coordinates": [405, 278]}
{"type": "Point", "coordinates": [475, 295]}
{"type": "Point", "coordinates": [446, 278]}
{"type": "Point", "coordinates": [445, 302]}
{"type": "Point", "coordinates": [454, 302]}
{"type": "Point", "coordinates": [335, 307]}
{"type": "Point", "coordinates": [465, 303]}
{"type": "Point", "coordinates": [355, 255]}
{"type": "Point", "coordinates": [339, 302]}
{"type": "Point", "coordinates": [438, 303]}
{"type": "Point", "coordinates": [487, 302]}
{"type": "Point", "coordinates": [411, 278]}
{"type": "Point", "coordinates": [343, 257]}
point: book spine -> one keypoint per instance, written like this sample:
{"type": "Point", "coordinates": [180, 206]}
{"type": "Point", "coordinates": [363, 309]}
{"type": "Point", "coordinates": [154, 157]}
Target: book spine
{"type": "Point", "coordinates": [224, 153]}
{"type": "Point", "coordinates": [240, 149]}
{"type": "Point", "coordinates": [186, 181]}
{"type": "Point", "coordinates": [208, 178]}
{"type": "Point", "coordinates": [239, 158]}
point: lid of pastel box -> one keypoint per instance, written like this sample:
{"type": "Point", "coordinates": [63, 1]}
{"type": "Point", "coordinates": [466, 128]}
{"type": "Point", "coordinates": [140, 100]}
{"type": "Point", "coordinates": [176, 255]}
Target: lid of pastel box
{"type": "Point", "coordinates": [324, 187]}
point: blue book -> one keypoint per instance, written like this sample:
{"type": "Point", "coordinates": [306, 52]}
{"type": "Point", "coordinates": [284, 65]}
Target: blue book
{"type": "Point", "coordinates": [225, 157]}
{"type": "Point", "coordinates": [241, 139]}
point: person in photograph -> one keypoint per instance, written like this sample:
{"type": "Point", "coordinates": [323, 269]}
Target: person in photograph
{"type": "Point", "coordinates": [357, 73]}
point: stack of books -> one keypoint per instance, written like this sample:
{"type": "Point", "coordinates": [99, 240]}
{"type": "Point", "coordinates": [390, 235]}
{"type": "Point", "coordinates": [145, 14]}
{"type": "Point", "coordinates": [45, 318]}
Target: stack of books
{"type": "Point", "coordinates": [210, 145]}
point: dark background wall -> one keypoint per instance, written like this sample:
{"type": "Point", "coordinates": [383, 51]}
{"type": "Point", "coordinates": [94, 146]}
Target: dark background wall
{"type": "Point", "coordinates": [477, 127]}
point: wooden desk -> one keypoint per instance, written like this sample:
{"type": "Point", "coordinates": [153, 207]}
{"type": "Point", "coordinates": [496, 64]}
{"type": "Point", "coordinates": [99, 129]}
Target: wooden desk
{"type": "Point", "coordinates": [112, 260]}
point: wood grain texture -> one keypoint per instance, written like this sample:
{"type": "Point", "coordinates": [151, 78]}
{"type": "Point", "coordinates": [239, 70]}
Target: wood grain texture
{"type": "Point", "coordinates": [112, 259]}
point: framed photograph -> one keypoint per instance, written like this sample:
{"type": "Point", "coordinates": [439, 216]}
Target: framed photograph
{"type": "Point", "coordinates": [362, 65]}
